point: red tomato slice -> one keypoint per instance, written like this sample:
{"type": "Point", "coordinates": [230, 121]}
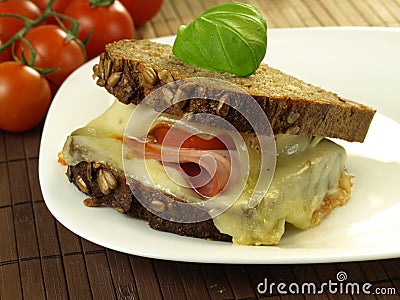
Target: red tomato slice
{"type": "Point", "coordinates": [179, 138]}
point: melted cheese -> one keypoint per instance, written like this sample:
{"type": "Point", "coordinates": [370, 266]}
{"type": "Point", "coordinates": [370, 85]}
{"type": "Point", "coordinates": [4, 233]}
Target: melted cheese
{"type": "Point", "coordinates": [306, 172]}
{"type": "Point", "coordinates": [300, 184]}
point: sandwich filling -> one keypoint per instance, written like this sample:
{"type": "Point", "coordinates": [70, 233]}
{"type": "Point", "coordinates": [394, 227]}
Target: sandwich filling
{"type": "Point", "coordinates": [188, 154]}
{"type": "Point", "coordinates": [309, 179]}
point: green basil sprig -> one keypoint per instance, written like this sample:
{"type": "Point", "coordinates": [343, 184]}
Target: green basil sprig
{"type": "Point", "coordinates": [230, 38]}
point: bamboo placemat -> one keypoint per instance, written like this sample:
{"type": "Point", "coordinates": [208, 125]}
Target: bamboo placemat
{"type": "Point", "coordinates": [40, 259]}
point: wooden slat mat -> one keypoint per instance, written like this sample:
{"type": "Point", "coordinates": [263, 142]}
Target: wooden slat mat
{"type": "Point", "coordinates": [40, 259]}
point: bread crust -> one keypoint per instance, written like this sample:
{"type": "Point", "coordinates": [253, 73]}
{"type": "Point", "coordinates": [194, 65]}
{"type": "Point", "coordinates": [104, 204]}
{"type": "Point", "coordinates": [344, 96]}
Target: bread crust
{"type": "Point", "coordinates": [85, 176]}
{"type": "Point", "coordinates": [132, 69]}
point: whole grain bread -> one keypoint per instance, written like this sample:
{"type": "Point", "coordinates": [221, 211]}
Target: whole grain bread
{"type": "Point", "coordinates": [132, 69]}
{"type": "Point", "coordinates": [86, 176]}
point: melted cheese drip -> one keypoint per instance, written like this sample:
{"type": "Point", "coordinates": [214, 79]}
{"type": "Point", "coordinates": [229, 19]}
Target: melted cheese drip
{"type": "Point", "coordinates": [306, 172]}
{"type": "Point", "coordinates": [300, 184]}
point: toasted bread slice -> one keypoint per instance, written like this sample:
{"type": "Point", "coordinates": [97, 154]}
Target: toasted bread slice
{"type": "Point", "coordinates": [85, 176]}
{"type": "Point", "coordinates": [132, 69]}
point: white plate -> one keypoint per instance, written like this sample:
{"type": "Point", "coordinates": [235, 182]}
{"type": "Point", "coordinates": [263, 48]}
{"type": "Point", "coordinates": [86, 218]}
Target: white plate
{"type": "Point", "coordinates": [360, 63]}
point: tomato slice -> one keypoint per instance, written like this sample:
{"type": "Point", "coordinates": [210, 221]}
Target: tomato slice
{"type": "Point", "coordinates": [182, 139]}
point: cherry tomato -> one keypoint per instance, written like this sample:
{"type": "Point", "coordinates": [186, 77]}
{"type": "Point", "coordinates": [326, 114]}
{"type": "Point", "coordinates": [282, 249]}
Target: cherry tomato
{"type": "Point", "coordinates": [105, 24]}
{"type": "Point", "coordinates": [58, 5]}
{"type": "Point", "coordinates": [24, 97]}
{"type": "Point", "coordinates": [9, 25]}
{"type": "Point", "coordinates": [142, 10]}
{"type": "Point", "coordinates": [6, 54]}
{"type": "Point", "coordinates": [41, 4]}
{"type": "Point", "coordinates": [52, 51]}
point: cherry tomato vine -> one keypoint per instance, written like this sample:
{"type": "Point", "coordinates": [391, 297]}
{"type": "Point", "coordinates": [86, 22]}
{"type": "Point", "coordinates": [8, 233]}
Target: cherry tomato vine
{"type": "Point", "coordinates": [43, 41]}
{"type": "Point", "coordinates": [19, 36]}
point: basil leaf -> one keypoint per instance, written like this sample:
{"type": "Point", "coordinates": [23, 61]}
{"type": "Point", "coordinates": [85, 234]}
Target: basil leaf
{"type": "Point", "coordinates": [230, 38]}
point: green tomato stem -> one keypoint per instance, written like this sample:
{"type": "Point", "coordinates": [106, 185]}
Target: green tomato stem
{"type": "Point", "coordinates": [31, 62]}
{"type": "Point", "coordinates": [28, 24]}
{"type": "Point", "coordinates": [71, 35]}
{"type": "Point", "coordinates": [94, 3]}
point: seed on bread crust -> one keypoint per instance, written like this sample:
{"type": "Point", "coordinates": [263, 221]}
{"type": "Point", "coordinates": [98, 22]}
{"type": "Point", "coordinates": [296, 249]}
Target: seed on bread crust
{"type": "Point", "coordinates": [168, 95]}
{"type": "Point", "coordinates": [101, 82]}
{"type": "Point", "coordinates": [181, 104]}
{"type": "Point", "coordinates": [165, 76]}
{"type": "Point", "coordinates": [118, 65]}
{"type": "Point", "coordinates": [114, 79]}
{"type": "Point", "coordinates": [107, 68]}
{"type": "Point", "coordinates": [222, 107]}
{"type": "Point", "coordinates": [81, 184]}
{"type": "Point", "coordinates": [103, 185]}
{"type": "Point", "coordinates": [106, 181]}
{"type": "Point", "coordinates": [95, 70]}
{"type": "Point", "coordinates": [93, 202]}
{"type": "Point", "coordinates": [112, 182]}
{"type": "Point", "coordinates": [100, 73]}
{"type": "Point", "coordinates": [158, 206]}
{"type": "Point", "coordinates": [150, 76]}
{"type": "Point", "coordinates": [180, 98]}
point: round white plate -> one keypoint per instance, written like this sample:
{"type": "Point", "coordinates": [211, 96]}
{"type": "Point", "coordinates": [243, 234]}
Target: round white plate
{"type": "Point", "coordinates": [359, 63]}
